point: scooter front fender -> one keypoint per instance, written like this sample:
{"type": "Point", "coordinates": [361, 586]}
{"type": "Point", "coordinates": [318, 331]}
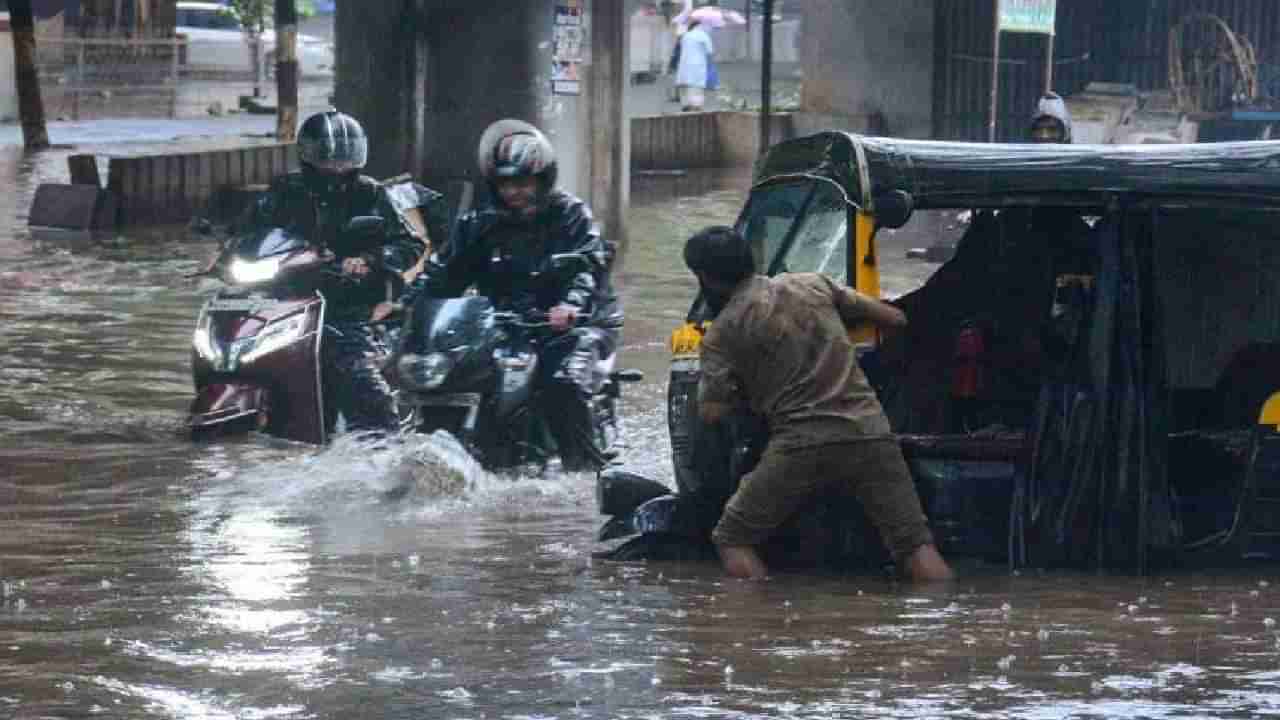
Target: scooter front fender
{"type": "Point", "coordinates": [222, 404]}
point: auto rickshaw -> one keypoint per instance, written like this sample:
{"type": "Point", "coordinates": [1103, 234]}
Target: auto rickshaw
{"type": "Point", "coordinates": [1091, 381]}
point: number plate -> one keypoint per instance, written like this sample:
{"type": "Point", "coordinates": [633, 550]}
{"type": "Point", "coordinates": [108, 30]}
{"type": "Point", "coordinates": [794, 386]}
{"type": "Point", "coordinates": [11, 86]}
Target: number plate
{"type": "Point", "coordinates": [246, 305]}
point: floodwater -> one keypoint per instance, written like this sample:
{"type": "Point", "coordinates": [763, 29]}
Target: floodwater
{"type": "Point", "coordinates": [142, 576]}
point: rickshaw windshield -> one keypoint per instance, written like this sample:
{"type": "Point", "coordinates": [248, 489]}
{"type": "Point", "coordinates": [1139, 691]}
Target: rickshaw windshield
{"type": "Point", "coordinates": [798, 226]}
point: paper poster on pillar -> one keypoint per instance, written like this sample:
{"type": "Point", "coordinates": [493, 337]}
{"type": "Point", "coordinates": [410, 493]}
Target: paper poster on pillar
{"type": "Point", "coordinates": [566, 55]}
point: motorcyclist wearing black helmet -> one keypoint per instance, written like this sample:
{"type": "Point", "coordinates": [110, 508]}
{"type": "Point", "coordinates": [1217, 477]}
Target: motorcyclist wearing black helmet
{"type": "Point", "coordinates": [503, 248]}
{"type": "Point", "coordinates": [318, 202]}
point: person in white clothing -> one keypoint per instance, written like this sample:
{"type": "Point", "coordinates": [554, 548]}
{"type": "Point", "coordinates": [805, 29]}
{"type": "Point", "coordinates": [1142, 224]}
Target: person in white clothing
{"type": "Point", "coordinates": [695, 61]}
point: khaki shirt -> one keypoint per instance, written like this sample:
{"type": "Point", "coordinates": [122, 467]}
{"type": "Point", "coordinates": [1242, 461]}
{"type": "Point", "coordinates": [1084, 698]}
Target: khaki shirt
{"type": "Point", "coordinates": [781, 348]}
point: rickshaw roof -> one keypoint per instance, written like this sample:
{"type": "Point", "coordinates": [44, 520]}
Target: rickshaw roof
{"type": "Point", "coordinates": [955, 174]}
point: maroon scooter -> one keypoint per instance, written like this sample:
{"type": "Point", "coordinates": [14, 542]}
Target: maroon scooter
{"type": "Point", "coordinates": [256, 351]}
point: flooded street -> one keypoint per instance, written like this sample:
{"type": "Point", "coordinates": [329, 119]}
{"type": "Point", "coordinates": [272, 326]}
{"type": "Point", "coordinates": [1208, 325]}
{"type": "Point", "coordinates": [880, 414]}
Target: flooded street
{"type": "Point", "coordinates": [143, 576]}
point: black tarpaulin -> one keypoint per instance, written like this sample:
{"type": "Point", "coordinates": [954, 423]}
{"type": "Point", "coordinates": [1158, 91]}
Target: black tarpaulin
{"type": "Point", "coordinates": [1095, 492]}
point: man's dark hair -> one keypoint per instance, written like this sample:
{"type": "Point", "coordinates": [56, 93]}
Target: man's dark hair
{"type": "Point", "coordinates": [722, 253]}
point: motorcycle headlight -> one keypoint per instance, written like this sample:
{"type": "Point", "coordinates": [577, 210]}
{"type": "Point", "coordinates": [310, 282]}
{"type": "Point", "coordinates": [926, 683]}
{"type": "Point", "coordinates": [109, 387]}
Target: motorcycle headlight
{"type": "Point", "coordinates": [248, 272]}
{"type": "Point", "coordinates": [274, 336]}
{"type": "Point", "coordinates": [424, 372]}
{"type": "Point", "coordinates": [206, 347]}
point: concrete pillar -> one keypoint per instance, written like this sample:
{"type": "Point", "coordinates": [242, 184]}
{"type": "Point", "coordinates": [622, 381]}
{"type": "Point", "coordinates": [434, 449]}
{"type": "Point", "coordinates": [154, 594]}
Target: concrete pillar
{"type": "Point", "coordinates": [426, 77]}
{"type": "Point", "coordinates": [610, 157]}
{"type": "Point", "coordinates": [379, 51]}
{"type": "Point", "coordinates": [868, 67]}
{"type": "Point", "coordinates": [486, 61]}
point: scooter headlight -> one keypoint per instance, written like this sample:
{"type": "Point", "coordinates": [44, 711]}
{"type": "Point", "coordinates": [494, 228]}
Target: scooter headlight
{"type": "Point", "coordinates": [424, 372]}
{"type": "Point", "coordinates": [274, 336]}
{"type": "Point", "coordinates": [249, 272]}
{"type": "Point", "coordinates": [205, 346]}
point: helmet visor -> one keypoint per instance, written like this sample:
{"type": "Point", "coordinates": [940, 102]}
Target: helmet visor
{"type": "Point", "coordinates": [336, 153]}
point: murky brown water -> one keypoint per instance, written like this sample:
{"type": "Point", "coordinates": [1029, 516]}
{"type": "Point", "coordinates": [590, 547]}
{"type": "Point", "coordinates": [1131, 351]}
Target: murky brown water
{"type": "Point", "coordinates": [145, 577]}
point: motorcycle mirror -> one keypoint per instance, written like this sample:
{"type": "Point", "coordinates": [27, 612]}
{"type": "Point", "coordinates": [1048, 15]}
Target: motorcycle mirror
{"type": "Point", "coordinates": [365, 225]}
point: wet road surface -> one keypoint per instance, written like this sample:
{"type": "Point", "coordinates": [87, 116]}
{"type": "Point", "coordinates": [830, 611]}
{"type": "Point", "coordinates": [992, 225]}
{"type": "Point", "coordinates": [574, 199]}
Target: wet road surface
{"type": "Point", "coordinates": [142, 576]}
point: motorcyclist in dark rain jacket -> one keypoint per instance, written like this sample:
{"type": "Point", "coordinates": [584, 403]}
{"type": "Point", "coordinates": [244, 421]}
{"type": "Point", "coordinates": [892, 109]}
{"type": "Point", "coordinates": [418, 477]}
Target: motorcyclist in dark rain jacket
{"type": "Point", "coordinates": [317, 203]}
{"type": "Point", "coordinates": [502, 249]}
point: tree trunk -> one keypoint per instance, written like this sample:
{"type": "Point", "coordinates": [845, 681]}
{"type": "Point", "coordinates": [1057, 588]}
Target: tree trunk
{"type": "Point", "coordinates": [30, 104]}
{"type": "Point", "coordinates": [286, 70]}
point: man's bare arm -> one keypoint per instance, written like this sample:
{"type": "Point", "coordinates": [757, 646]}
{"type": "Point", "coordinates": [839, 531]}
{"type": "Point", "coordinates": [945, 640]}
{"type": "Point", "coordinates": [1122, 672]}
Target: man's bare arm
{"type": "Point", "coordinates": [856, 308]}
{"type": "Point", "coordinates": [878, 312]}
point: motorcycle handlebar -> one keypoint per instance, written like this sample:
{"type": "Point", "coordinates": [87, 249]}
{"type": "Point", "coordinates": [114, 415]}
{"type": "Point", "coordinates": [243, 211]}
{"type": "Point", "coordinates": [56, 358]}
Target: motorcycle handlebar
{"type": "Point", "coordinates": [531, 321]}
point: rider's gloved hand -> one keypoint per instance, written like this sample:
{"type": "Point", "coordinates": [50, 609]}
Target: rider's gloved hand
{"type": "Point", "coordinates": [562, 317]}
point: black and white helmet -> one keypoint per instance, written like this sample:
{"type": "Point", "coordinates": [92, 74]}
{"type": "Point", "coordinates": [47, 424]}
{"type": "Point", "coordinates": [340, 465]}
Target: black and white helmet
{"type": "Point", "coordinates": [333, 143]}
{"type": "Point", "coordinates": [514, 148]}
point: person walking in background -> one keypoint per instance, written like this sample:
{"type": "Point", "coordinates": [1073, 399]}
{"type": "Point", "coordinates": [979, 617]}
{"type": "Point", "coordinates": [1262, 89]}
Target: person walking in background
{"type": "Point", "coordinates": [692, 72]}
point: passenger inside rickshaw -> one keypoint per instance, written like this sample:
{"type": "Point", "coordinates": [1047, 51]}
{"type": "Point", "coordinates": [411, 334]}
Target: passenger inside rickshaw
{"type": "Point", "coordinates": [983, 330]}
{"type": "Point", "coordinates": [1024, 278]}
{"type": "Point", "coordinates": [1023, 283]}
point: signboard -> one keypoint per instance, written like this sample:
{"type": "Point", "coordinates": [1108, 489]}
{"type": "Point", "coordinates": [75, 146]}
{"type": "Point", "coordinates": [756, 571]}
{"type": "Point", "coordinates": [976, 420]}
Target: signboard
{"type": "Point", "coordinates": [1028, 16]}
{"type": "Point", "coordinates": [568, 37]}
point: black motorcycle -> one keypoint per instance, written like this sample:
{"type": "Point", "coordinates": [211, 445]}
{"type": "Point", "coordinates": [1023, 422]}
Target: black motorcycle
{"type": "Point", "coordinates": [467, 367]}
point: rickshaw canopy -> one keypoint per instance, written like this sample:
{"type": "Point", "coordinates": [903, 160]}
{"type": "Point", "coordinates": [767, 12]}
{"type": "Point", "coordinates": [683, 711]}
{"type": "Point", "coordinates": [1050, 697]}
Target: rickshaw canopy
{"type": "Point", "coordinates": [972, 175]}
